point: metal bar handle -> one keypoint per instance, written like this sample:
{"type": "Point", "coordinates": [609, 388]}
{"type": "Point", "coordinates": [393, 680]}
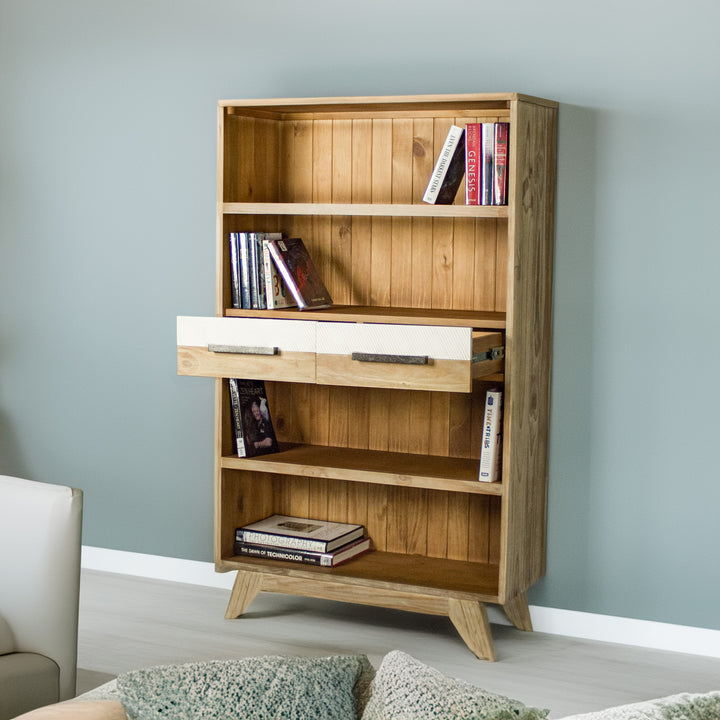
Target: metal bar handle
{"type": "Point", "coordinates": [243, 349]}
{"type": "Point", "coordinates": [396, 359]}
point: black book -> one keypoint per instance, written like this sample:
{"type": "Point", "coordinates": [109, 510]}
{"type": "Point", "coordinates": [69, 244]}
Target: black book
{"type": "Point", "coordinates": [254, 432]}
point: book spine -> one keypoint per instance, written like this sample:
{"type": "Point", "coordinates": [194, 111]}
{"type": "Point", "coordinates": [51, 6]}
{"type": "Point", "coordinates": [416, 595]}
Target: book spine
{"type": "Point", "coordinates": [500, 172]}
{"type": "Point", "coordinates": [473, 148]}
{"type": "Point", "coordinates": [486, 173]}
{"type": "Point", "coordinates": [235, 271]}
{"type": "Point", "coordinates": [244, 270]}
{"type": "Point", "coordinates": [491, 451]}
{"type": "Point", "coordinates": [278, 553]}
{"type": "Point", "coordinates": [274, 284]}
{"type": "Point", "coordinates": [443, 164]}
{"type": "Point", "coordinates": [236, 416]}
{"type": "Point", "coordinates": [286, 275]}
{"type": "Point", "coordinates": [283, 541]}
{"type": "Point", "coordinates": [254, 275]}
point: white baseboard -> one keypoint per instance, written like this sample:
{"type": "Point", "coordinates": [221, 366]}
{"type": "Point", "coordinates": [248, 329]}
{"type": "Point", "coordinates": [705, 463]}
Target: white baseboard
{"type": "Point", "coordinates": [569, 623]}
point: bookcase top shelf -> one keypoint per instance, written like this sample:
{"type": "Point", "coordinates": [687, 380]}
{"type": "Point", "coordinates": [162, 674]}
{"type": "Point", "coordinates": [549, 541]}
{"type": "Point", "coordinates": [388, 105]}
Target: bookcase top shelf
{"type": "Point", "coordinates": [366, 209]}
{"type": "Point", "coordinates": [385, 315]}
{"type": "Point", "coordinates": [396, 104]}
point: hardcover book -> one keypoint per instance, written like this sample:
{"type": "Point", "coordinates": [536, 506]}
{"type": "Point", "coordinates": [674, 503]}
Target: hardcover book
{"type": "Point", "coordinates": [500, 169]}
{"type": "Point", "coordinates": [491, 450]}
{"type": "Point", "coordinates": [473, 150]}
{"type": "Point", "coordinates": [276, 293]}
{"type": "Point", "coordinates": [297, 533]}
{"type": "Point", "coordinates": [486, 171]}
{"type": "Point", "coordinates": [308, 557]}
{"type": "Point", "coordinates": [449, 169]}
{"type": "Point", "coordinates": [235, 270]}
{"type": "Point", "coordinates": [254, 433]}
{"type": "Point", "coordinates": [299, 273]}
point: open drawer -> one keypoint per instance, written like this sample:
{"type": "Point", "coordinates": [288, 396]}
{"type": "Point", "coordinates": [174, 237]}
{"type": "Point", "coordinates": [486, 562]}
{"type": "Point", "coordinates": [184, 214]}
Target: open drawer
{"type": "Point", "coordinates": [417, 357]}
{"type": "Point", "coordinates": [254, 348]}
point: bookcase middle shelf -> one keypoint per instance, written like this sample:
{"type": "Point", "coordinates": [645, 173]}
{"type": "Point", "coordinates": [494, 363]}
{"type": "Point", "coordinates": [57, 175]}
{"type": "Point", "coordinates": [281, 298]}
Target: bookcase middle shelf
{"type": "Point", "coordinates": [370, 466]}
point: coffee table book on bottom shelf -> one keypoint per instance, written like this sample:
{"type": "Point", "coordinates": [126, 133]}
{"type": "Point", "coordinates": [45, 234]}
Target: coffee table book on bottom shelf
{"type": "Point", "coordinates": [298, 533]}
{"type": "Point", "coordinates": [324, 559]}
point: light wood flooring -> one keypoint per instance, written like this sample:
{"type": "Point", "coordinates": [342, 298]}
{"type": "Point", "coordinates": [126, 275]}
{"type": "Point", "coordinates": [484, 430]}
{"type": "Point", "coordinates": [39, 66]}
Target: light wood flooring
{"type": "Point", "coordinates": [128, 622]}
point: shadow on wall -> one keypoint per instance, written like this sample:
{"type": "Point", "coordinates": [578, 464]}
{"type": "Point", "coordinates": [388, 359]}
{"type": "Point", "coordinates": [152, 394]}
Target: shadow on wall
{"type": "Point", "coordinates": [11, 462]}
{"type": "Point", "coordinates": [566, 582]}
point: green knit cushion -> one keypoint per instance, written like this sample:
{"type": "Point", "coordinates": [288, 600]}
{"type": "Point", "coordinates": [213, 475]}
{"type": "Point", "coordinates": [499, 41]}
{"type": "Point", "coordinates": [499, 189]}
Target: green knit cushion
{"type": "Point", "coordinates": [259, 688]}
{"type": "Point", "coordinates": [684, 706]}
{"type": "Point", "coordinates": [405, 689]}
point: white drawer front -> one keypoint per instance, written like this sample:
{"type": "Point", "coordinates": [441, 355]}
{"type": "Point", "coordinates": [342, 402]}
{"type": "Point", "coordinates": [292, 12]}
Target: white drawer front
{"type": "Point", "coordinates": [285, 335]}
{"type": "Point", "coordinates": [410, 357]}
{"type": "Point", "coordinates": [438, 343]}
{"type": "Point", "coordinates": [247, 348]}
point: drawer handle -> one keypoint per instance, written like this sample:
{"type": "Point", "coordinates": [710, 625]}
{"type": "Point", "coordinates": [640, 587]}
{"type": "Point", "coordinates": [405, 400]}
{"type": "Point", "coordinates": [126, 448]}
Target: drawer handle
{"type": "Point", "coordinates": [243, 349]}
{"type": "Point", "coordinates": [397, 359]}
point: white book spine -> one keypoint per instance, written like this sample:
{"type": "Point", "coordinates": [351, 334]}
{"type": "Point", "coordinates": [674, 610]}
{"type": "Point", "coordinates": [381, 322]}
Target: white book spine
{"type": "Point", "coordinates": [442, 164]}
{"type": "Point", "coordinates": [491, 451]}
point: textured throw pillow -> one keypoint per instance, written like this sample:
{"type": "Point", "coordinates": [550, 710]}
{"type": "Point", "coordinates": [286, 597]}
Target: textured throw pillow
{"type": "Point", "coordinates": [260, 688]}
{"type": "Point", "coordinates": [405, 689]}
{"type": "Point", "coordinates": [684, 706]}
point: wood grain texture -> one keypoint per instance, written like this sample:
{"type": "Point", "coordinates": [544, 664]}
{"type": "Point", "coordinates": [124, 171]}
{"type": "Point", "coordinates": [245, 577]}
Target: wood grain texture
{"type": "Point", "coordinates": [347, 175]}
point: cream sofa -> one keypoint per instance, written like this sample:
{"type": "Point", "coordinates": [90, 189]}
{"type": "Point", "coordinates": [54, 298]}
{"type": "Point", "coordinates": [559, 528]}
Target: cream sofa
{"type": "Point", "coordinates": [40, 531]}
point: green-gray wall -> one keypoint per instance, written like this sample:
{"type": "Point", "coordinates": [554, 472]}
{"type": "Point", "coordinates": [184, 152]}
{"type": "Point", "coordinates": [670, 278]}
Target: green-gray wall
{"type": "Point", "coordinates": [107, 221]}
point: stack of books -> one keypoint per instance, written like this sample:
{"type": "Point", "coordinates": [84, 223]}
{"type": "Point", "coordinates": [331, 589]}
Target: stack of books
{"type": "Point", "coordinates": [268, 271]}
{"type": "Point", "coordinates": [479, 151]}
{"type": "Point", "coordinates": [301, 540]}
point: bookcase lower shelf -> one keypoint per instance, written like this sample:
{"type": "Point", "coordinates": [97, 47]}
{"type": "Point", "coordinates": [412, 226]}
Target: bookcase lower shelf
{"type": "Point", "coordinates": [452, 588]}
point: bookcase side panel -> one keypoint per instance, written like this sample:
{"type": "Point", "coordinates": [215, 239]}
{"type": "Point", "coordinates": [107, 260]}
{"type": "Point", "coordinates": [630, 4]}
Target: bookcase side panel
{"type": "Point", "coordinates": [528, 345]}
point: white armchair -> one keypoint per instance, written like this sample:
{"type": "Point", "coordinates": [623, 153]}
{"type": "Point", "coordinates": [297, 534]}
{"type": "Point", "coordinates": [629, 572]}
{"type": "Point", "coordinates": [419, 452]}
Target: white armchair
{"type": "Point", "coordinates": [40, 535]}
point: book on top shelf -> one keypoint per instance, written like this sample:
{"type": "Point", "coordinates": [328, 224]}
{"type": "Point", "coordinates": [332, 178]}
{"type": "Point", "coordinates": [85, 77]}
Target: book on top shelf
{"type": "Point", "coordinates": [448, 171]}
{"type": "Point", "coordinates": [500, 163]}
{"type": "Point", "coordinates": [473, 149]}
{"type": "Point", "coordinates": [308, 557]}
{"type": "Point", "coordinates": [254, 432]}
{"type": "Point", "coordinates": [299, 273]}
{"type": "Point", "coordinates": [298, 533]}
{"type": "Point", "coordinates": [486, 164]}
{"type": "Point", "coordinates": [491, 449]}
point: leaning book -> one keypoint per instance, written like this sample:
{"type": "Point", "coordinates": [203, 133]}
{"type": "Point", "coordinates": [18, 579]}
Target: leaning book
{"type": "Point", "coordinates": [299, 273]}
{"type": "Point", "coordinates": [297, 533]}
{"type": "Point", "coordinates": [307, 557]}
{"type": "Point", "coordinates": [448, 171]}
{"type": "Point", "coordinates": [252, 425]}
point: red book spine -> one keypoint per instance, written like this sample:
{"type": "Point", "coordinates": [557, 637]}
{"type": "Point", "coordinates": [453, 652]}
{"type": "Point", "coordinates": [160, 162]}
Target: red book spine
{"type": "Point", "coordinates": [502, 132]}
{"type": "Point", "coordinates": [486, 173]}
{"type": "Point", "coordinates": [472, 163]}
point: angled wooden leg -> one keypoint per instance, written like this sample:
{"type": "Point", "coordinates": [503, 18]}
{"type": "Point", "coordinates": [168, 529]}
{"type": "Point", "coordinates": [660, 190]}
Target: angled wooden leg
{"type": "Point", "coordinates": [518, 612]}
{"type": "Point", "coordinates": [471, 621]}
{"type": "Point", "coordinates": [247, 585]}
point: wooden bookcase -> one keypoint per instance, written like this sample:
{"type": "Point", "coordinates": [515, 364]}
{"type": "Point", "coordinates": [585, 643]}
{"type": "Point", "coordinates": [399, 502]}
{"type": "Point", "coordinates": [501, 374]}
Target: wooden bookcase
{"type": "Point", "coordinates": [398, 455]}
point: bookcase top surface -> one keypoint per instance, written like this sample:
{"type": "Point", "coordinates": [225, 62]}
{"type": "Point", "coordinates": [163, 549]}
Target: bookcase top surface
{"type": "Point", "coordinates": [384, 102]}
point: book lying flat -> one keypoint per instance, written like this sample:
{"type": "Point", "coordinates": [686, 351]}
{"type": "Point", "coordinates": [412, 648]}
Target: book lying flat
{"type": "Point", "coordinates": [299, 533]}
{"type": "Point", "coordinates": [308, 557]}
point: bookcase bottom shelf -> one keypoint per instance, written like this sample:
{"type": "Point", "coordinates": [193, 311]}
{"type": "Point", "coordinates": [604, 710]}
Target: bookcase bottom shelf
{"type": "Point", "coordinates": [452, 588]}
{"type": "Point", "coordinates": [464, 606]}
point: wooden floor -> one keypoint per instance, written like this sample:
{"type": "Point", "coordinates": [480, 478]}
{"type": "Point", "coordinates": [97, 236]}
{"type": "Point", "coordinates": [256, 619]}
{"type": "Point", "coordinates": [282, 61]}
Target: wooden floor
{"type": "Point", "coordinates": [128, 622]}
